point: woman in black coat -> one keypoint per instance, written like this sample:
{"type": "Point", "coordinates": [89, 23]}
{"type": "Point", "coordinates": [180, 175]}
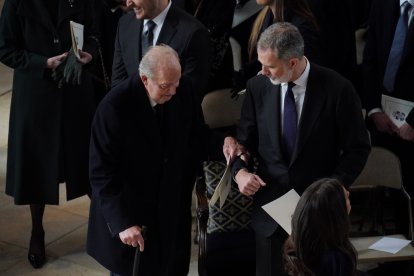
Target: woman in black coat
{"type": "Point", "coordinates": [49, 126]}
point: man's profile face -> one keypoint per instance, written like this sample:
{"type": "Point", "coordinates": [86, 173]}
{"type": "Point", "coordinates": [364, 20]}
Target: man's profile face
{"type": "Point", "coordinates": [162, 87]}
{"type": "Point", "coordinates": [275, 69]}
{"type": "Point", "coordinates": [145, 9]}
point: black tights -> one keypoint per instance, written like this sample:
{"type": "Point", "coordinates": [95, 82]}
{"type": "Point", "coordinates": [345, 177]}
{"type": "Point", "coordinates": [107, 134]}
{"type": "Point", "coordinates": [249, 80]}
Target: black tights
{"type": "Point", "coordinates": [37, 241]}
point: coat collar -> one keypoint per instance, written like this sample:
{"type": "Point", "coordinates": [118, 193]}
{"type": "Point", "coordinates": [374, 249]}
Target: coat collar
{"type": "Point", "coordinates": [272, 98]}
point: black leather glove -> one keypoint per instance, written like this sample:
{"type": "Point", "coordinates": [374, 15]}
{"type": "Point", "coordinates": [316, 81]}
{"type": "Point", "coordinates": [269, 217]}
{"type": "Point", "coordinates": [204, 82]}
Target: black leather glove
{"type": "Point", "coordinates": [57, 74]}
{"type": "Point", "coordinates": [73, 69]}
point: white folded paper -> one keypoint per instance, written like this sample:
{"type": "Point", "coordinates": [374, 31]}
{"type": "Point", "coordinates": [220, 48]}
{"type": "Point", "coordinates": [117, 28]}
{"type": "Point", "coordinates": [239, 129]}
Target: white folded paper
{"type": "Point", "coordinates": [282, 209]}
{"type": "Point", "coordinates": [390, 245]}
{"type": "Point", "coordinates": [396, 109]}
{"type": "Point", "coordinates": [76, 31]}
{"type": "Point", "coordinates": [223, 188]}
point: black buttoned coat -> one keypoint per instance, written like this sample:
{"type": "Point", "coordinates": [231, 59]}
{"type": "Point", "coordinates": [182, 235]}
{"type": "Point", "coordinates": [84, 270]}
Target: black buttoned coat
{"type": "Point", "coordinates": [138, 173]}
{"type": "Point", "coordinates": [49, 127]}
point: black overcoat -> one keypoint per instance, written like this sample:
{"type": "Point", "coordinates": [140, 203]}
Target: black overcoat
{"type": "Point", "coordinates": [49, 127]}
{"type": "Point", "coordinates": [138, 174]}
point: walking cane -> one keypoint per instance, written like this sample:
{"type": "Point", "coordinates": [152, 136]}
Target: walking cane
{"type": "Point", "coordinates": [138, 253]}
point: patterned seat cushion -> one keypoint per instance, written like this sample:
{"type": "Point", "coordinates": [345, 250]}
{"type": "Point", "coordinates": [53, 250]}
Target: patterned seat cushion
{"type": "Point", "coordinates": [235, 214]}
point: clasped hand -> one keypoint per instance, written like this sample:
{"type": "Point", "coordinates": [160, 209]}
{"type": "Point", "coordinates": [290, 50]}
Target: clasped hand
{"type": "Point", "coordinates": [384, 124]}
{"type": "Point", "coordinates": [67, 68]}
{"type": "Point", "coordinates": [249, 183]}
{"type": "Point", "coordinates": [232, 149]}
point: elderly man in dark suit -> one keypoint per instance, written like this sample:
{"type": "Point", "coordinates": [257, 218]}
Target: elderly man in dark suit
{"type": "Point", "coordinates": [143, 137]}
{"type": "Point", "coordinates": [158, 22]}
{"type": "Point", "coordinates": [388, 68]}
{"type": "Point", "coordinates": [301, 122]}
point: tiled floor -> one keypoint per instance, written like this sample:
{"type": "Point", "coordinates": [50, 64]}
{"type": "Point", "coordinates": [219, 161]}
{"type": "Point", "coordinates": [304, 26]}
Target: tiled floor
{"type": "Point", "coordinates": [65, 225]}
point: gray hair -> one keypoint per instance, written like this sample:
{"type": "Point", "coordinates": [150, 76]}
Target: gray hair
{"type": "Point", "coordinates": [158, 55]}
{"type": "Point", "coordinates": [285, 39]}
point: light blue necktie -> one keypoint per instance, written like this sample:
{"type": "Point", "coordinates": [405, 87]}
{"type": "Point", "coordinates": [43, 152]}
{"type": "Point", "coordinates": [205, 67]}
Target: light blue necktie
{"type": "Point", "coordinates": [290, 122]}
{"type": "Point", "coordinates": [394, 59]}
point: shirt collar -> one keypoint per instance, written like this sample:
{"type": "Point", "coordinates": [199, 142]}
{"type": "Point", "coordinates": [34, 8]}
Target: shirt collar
{"type": "Point", "coordinates": [409, 1]}
{"type": "Point", "coordinates": [303, 79]}
{"type": "Point", "coordinates": [159, 19]}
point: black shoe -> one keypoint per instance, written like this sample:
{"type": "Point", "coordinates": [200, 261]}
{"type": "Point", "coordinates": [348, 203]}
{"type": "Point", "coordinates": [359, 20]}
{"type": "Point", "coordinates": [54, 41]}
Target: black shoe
{"type": "Point", "coordinates": [36, 256]}
{"type": "Point", "coordinates": [36, 260]}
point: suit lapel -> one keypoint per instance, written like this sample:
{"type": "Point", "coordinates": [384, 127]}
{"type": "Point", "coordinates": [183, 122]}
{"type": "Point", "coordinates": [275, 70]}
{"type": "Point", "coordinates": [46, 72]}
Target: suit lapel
{"type": "Point", "coordinates": [168, 28]}
{"type": "Point", "coordinates": [312, 107]}
{"type": "Point", "coordinates": [272, 113]}
{"type": "Point", "coordinates": [135, 29]}
{"type": "Point", "coordinates": [409, 43]}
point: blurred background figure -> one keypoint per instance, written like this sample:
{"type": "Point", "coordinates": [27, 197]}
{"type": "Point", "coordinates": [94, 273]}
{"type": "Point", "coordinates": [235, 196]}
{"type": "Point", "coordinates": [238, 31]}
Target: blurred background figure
{"type": "Point", "coordinates": [388, 66]}
{"type": "Point", "coordinates": [217, 17]}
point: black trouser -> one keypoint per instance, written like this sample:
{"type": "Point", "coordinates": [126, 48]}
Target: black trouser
{"type": "Point", "coordinates": [269, 261]}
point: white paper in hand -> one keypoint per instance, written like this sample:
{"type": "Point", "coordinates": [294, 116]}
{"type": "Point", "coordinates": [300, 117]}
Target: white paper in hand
{"type": "Point", "coordinates": [282, 209]}
{"type": "Point", "coordinates": [76, 31]}
{"type": "Point", "coordinates": [396, 109]}
{"type": "Point", "coordinates": [223, 188]}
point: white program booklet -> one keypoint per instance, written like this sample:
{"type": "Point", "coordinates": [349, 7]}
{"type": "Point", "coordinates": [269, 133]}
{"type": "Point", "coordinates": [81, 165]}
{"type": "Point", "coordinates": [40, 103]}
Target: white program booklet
{"type": "Point", "coordinates": [282, 209]}
{"type": "Point", "coordinates": [76, 31]}
{"type": "Point", "coordinates": [396, 109]}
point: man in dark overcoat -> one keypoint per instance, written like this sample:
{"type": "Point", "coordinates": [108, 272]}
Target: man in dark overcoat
{"type": "Point", "coordinates": [144, 136]}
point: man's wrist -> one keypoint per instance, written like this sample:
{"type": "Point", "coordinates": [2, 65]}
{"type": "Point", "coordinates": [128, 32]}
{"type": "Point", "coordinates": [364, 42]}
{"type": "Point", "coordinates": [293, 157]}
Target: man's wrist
{"type": "Point", "coordinates": [236, 172]}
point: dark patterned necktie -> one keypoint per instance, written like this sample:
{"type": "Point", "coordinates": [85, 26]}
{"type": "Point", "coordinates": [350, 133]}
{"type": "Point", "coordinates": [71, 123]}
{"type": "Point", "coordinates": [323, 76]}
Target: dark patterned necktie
{"type": "Point", "coordinates": [394, 59]}
{"type": "Point", "coordinates": [290, 122]}
{"type": "Point", "coordinates": [148, 37]}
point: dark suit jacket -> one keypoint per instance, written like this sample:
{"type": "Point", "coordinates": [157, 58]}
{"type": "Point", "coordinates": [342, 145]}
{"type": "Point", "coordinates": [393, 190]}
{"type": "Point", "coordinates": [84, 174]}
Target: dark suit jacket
{"type": "Point", "coordinates": [382, 23]}
{"type": "Point", "coordinates": [332, 139]}
{"type": "Point", "coordinates": [137, 174]}
{"type": "Point", "coordinates": [180, 30]}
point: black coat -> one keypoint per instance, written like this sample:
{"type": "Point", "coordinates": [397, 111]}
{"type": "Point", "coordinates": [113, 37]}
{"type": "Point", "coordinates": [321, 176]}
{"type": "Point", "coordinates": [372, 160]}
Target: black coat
{"type": "Point", "coordinates": [49, 127]}
{"type": "Point", "coordinates": [138, 175]}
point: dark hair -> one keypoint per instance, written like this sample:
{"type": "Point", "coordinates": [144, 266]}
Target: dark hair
{"type": "Point", "coordinates": [320, 222]}
{"type": "Point", "coordinates": [284, 39]}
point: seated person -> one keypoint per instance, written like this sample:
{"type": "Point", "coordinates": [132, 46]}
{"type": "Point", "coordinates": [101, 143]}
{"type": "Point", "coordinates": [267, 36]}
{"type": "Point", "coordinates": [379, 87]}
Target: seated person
{"type": "Point", "coordinates": [319, 243]}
